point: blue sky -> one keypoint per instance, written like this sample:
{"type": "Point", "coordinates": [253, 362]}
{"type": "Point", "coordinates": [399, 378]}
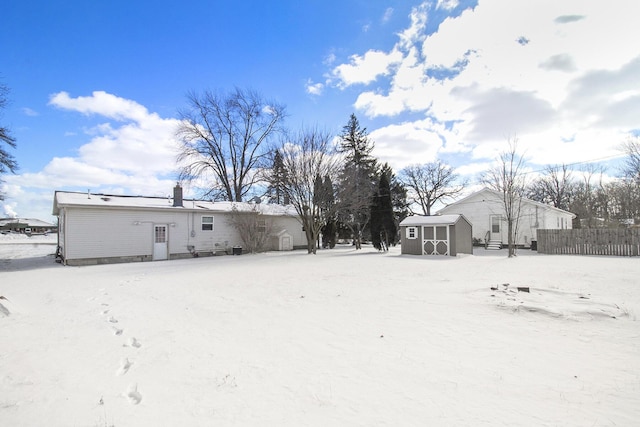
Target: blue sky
{"type": "Point", "coordinates": [96, 85]}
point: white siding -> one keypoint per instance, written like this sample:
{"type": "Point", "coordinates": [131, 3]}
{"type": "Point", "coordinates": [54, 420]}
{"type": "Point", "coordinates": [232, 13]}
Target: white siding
{"type": "Point", "coordinates": [293, 227]}
{"type": "Point", "coordinates": [103, 233]}
{"type": "Point", "coordinates": [95, 234]}
{"type": "Point", "coordinates": [222, 236]}
{"type": "Point", "coordinates": [478, 209]}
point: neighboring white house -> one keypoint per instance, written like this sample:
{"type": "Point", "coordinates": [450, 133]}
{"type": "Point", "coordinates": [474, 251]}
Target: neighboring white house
{"type": "Point", "coordinates": [25, 225]}
{"type": "Point", "coordinates": [485, 210]}
{"type": "Point", "coordinates": [98, 228]}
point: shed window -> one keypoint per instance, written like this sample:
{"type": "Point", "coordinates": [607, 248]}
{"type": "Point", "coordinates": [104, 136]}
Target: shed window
{"type": "Point", "coordinates": [261, 226]}
{"type": "Point", "coordinates": [412, 232]}
{"type": "Point", "coordinates": [207, 223]}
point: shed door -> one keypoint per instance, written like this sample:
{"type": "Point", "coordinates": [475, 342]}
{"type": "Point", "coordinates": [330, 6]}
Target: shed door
{"type": "Point", "coordinates": [286, 243]}
{"type": "Point", "coordinates": [160, 242]}
{"type": "Point", "coordinates": [435, 240]}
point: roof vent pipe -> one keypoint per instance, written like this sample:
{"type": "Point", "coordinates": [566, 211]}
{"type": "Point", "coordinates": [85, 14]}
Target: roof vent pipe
{"type": "Point", "coordinates": [177, 195]}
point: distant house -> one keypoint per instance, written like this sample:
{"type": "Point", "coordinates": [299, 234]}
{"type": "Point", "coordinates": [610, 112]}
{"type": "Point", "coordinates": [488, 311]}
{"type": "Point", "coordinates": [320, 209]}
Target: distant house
{"type": "Point", "coordinates": [26, 226]}
{"type": "Point", "coordinates": [485, 210]}
{"type": "Point", "coordinates": [436, 235]}
{"type": "Point", "coordinates": [99, 228]}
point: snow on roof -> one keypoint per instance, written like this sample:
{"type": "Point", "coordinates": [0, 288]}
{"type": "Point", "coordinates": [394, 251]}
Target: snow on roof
{"type": "Point", "coordinates": [64, 199]}
{"type": "Point", "coordinates": [498, 196]}
{"type": "Point", "coordinates": [31, 222]}
{"type": "Point", "coordinates": [430, 220]}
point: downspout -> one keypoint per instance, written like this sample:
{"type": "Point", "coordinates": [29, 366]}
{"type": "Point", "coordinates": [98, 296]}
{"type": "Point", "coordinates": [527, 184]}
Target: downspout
{"type": "Point", "coordinates": [63, 226]}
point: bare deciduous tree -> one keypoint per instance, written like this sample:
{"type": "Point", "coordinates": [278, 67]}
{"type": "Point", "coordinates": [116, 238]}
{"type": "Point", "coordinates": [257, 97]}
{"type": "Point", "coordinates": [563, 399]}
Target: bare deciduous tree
{"type": "Point", "coordinates": [508, 179]}
{"type": "Point", "coordinates": [224, 137]}
{"type": "Point", "coordinates": [555, 187]}
{"type": "Point", "coordinates": [631, 168]}
{"type": "Point", "coordinates": [7, 161]}
{"type": "Point", "coordinates": [586, 199]}
{"type": "Point", "coordinates": [254, 228]}
{"type": "Point", "coordinates": [429, 183]}
{"type": "Point", "coordinates": [306, 158]}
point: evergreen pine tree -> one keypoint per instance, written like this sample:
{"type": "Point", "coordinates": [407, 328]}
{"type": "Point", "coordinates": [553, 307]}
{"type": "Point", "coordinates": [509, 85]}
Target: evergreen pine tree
{"type": "Point", "coordinates": [383, 226]}
{"type": "Point", "coordinates": [357, 180]}
{"type": "Point", "coordinates": [330, 229]}
{"type": "Point", "coordinates": [277, 179]}
{"type": "Point", "coordinates": [398, 199]}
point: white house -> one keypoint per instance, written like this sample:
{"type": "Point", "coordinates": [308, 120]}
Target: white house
{"type": "Point", "coordinates": [485, 210]}
{"type": "Point", "coordinates": [99, 228]}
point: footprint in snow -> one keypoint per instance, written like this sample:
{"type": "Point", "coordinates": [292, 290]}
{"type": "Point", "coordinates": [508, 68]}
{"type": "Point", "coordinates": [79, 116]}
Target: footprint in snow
{"type": "Point", "coordinates": [117, 331]}
{"type": "Point", "coordinates": [113, 320]}
{"type": "Point", "coordinates": [133, 342]}
{"type": "Point", "coordinates": [133, 394]}
{"type": "Point", "coordinates": [125, 364]}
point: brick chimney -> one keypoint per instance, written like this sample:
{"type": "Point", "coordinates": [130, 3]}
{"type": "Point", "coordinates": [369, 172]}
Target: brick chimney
{"type": "Point", "coordinates": [177, 195]}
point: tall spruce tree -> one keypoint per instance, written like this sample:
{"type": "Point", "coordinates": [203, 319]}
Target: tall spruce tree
{"type": "Point", "coordinates": [383, 226]}
{"type": "Point", "coordinates": [328, 202]}
{"type": "Point", "coordinates": [398, 198]}
{"type": "Point", "coordinates": [276, 190]}
{"type": "Point", "coordinates": [357, 180]}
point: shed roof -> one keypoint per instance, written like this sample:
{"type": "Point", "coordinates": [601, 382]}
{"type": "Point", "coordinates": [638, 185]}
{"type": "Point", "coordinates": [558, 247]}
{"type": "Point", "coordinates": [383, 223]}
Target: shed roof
{"type": "Point", "coordinates": [108, 201]}
{"type": "Point", "coordinates": [431, 220]}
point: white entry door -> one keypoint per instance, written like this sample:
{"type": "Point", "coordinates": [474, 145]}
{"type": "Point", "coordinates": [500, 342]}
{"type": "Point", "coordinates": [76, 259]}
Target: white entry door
{"type": "Point", "coordinates": [495, 230]}
{"type": "Point", "coordinates": [160, 242]}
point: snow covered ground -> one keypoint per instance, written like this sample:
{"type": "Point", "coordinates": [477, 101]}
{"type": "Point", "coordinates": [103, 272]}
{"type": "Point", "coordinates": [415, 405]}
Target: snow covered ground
{"type": "Point", "coordinates": [343, 338]}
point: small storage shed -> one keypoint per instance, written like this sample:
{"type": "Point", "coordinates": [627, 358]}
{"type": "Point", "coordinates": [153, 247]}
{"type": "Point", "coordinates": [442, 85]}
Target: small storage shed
{"type": "Point", "coordinates": [282, 241]}
{"type": "Point", "coordinates": [436, 235]}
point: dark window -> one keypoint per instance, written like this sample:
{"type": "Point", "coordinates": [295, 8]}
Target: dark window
{"type": "Point", "coordinates": [207, 223]}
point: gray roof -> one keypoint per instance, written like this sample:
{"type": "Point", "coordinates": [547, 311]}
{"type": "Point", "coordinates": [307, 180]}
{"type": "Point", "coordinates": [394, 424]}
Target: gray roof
{"type": "Point", "coordinates": [498, 196]}
{"type": "Point", "coordinates": [107, 201]}
{"type": "Point", "coordinates": [431, 220]}
{"type": "Point", "coordinates": [31, 222]}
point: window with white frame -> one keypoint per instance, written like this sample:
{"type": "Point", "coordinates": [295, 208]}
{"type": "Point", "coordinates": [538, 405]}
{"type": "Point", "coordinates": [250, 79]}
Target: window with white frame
{"type": "Point", "coordinates": [207, 223]}
{"type": "Point", "coordinates": [412, 232]}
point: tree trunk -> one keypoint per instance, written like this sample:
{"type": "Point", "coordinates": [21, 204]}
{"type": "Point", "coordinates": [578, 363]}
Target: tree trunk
{"type": "Point", "coordinates": [358, 237]}
{"type": "Point", "coordinates": [510, 241]}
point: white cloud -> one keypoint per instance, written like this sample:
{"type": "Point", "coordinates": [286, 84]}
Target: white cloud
{"type": "Point", "coordinates": [447, 4]}
{"type": "Point", "coordinates": [367, 68]}
{"type": "Point", "coordinates": [415, 32]}
{"type": "Point", "coordinates": [559, 62]}
{"type": "Point", "coordinates": [134, 152]}
{"type": "Point", "coordinates": [330, 59]}
{"type": "Point", "coordinates": [314, 88]}
{"type": "Point", "coordinates": [9, 211]}
{"type": "Point", "coordinates": [388, 13]}
{"type": "Point", "coordinates": [403, 144]}
{"type": "Point", "coordinates": [101, 103]}
{"type": "Point", "coordinates": [30, 112]}
{"type": "Point", "coordinates": [563, 77]}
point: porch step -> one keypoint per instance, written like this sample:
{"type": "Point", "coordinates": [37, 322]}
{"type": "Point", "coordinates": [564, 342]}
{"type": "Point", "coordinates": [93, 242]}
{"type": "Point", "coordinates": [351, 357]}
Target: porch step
{"type": "Point", "coordinates": [494, 245]}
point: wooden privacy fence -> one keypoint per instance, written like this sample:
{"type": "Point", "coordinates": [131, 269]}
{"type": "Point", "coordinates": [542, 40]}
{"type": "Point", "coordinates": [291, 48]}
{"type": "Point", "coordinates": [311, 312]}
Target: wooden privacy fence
{"type": "Point", "coordinates": [590, 241]}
